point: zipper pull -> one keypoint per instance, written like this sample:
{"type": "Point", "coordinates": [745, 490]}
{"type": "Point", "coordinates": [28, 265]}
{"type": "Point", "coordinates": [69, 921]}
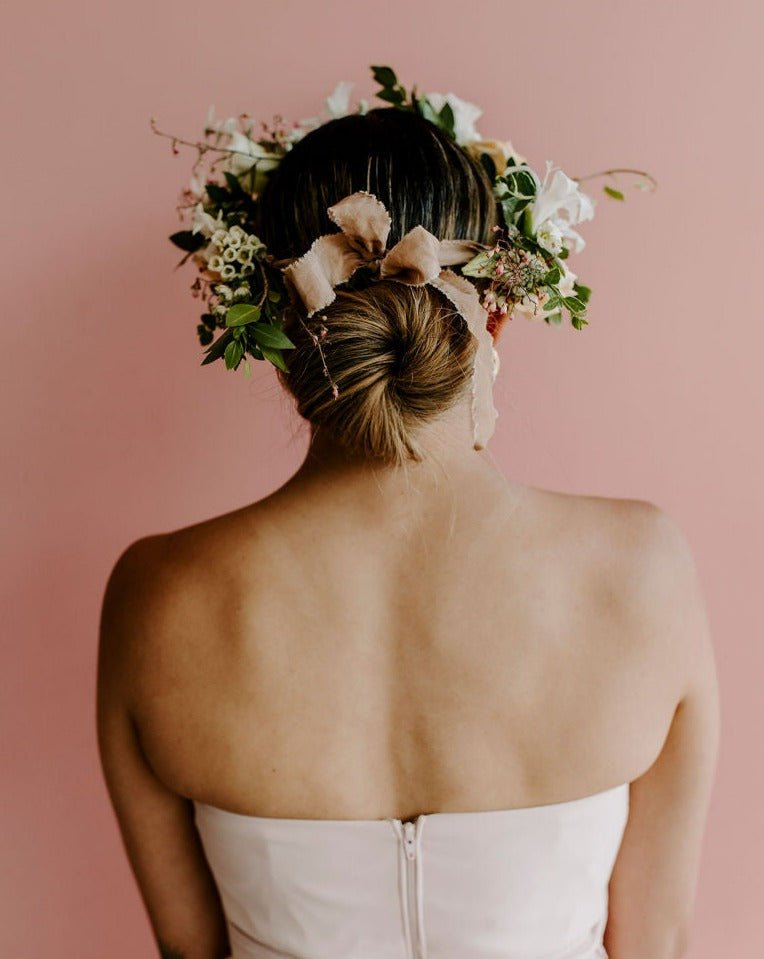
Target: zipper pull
{"type": "Point", "coordinates": [409, 833]}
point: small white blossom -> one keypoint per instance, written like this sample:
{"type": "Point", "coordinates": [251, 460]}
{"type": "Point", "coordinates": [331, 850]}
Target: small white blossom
{"type": "Point", "coordinates": [215, 263]}
{"type": "Point", "coordinates": [465, 115]}
{"type": "Point", "coordinates": [230, 253]}
{"type": "Point", "coordinates": [228, 272]}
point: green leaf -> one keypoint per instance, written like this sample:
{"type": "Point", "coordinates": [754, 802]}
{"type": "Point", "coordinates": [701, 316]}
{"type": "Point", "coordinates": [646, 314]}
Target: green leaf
{"type": "Point", "coordinates": [526, 223]}
{"type": "Point", "coordinates": [578, 322]}
{"type": "Point", "coordinates": [476, 266]}
{"type": "Point", "coordinates": [188, 241]}
{"type": "Point", "coordinates": [233, 353]}
{"type": "Point", "coordinates": [391, 96]}
{"type": "Point", "coordinates": [384, 76]}
{"type": "Point", "coordinates": [218, 348]}
{"type": "Point", "coordinates": [234, 184]}
{"type": "Point", "coordinates": [427, 110]}
{"type": "Point", "coordinates": [555, 318]}
{"type": "Point", "coordinates": [267, 335]}
{"type": "Point", "coordinates": [446, 118]}
{"type": "Point", "coordinates": [488, 165]}
{"type": "Point", "coordinates": [553, 277]}
{"type": "Point", "coordinates": [218, 194]}
{"type": "Point", "coordinates": [615, 194]}
{"type": "Point", "coordinates": [205, 335]}
{"type": "Point", "coordinates": [275, 357]}
{"type": "Point", "coordinates": [574, 304]}
{"type": "Point", "coordinates": [582, 292]}
{"type": "Point", "coordinates": [242, 313]}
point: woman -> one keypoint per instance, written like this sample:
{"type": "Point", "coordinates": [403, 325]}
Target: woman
{"type": "Point", "coordinates": [404, 705]}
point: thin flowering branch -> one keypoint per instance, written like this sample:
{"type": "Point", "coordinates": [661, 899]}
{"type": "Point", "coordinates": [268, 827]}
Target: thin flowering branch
{"type": "Point", "coordinates": [317, 338]}
{"type": "Point", "coordinates": [643, 173]}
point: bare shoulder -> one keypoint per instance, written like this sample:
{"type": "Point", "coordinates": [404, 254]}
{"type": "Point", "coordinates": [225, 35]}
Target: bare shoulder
{"type": "Point", "coordinates": [639, 560]}
{"type": "Point", "coordinates": [149, 595]}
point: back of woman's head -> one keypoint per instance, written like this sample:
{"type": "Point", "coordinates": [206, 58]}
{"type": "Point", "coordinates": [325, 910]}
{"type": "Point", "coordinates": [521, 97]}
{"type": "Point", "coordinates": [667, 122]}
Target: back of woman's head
{"type": "Point", "coordinates": [399, 355]}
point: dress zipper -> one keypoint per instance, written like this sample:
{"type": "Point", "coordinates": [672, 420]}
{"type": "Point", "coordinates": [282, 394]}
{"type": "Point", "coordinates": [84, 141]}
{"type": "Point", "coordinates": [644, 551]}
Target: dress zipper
{"type": "Point", "coordinates": [408, 832]}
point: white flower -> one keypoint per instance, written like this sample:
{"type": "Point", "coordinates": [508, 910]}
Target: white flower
{"type": "Point", "coordinates": [230, 253]}
{"type": "Point", "coordinates": [559, 205]}
{"type": "Point", "coordinates": [338, 101]}
{"type": "Point", "coordinates": [549, 236]}
{"type": "Point", "coordinates": [203, 223]}
{"type": "Point", "coordinates": [465, 115]}
{"type": "Point", "coordinates": [219, 237]}
{"type": "Point", "coordinates": [220, 126]}
{"type": "Point", "coordinates": [228, 272]}
{"type": "Point", "coordinates": [248, 153]}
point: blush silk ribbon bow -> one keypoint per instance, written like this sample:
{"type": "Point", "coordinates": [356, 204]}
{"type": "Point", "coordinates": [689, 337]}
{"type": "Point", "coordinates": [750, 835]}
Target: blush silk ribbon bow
{"type": "Point", "coordinates": [418, 258]}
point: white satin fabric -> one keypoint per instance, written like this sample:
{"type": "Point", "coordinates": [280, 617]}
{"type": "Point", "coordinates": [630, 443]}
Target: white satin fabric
{"type": "Point", "coordinates": [527, 883]}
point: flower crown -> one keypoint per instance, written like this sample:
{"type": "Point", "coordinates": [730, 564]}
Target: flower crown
{"type": "Point", "coordinates": [245, 291]}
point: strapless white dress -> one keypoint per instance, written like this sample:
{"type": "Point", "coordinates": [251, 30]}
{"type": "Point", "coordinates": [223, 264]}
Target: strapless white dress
{"type": "Point", "coordinates": [525, 883]}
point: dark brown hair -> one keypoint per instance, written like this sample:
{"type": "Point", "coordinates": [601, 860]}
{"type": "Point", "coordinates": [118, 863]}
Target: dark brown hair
{"type": "Point", "coordinates": [398, 354]}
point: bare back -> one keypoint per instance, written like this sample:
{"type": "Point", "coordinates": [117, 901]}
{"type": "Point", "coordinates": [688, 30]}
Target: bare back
{"type": "Point", "coordinates": [335, 651]}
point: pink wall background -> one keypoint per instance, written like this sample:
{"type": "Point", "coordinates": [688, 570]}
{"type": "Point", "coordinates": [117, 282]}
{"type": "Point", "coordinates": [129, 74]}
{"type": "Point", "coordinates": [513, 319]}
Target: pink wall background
{"type": "Point", "coordinates": [112, 430]}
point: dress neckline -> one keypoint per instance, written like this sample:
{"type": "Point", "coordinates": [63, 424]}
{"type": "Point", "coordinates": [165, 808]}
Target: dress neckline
{"type": "Point", "coordinates": [458, 815]}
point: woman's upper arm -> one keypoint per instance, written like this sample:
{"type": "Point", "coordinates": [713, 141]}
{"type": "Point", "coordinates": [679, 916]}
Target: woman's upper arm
{"type": "Point", "coordinates": [156, 825]}
{"type": "Point", "coordinates": [653, 886]}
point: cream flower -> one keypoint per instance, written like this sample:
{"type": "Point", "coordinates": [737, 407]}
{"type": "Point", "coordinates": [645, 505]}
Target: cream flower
{"type": "Point", "coordinates": [500, 151]}
{"type": "Point", "coordinates": [465, 115]}
{"type": "Point", "coordinates": [559, 205]}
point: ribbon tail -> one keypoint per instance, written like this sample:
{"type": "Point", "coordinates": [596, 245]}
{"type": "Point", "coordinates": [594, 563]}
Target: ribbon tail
{"type": "Point", "coordinates": [465, 298]}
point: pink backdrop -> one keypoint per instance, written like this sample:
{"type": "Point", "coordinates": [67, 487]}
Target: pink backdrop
{"type": "Point", "coordinates": [112, 430]}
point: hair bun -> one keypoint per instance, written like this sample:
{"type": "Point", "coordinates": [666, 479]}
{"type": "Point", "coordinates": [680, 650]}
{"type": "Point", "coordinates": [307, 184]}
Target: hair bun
{"type": "Point", "coordinates": [399, 356]}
